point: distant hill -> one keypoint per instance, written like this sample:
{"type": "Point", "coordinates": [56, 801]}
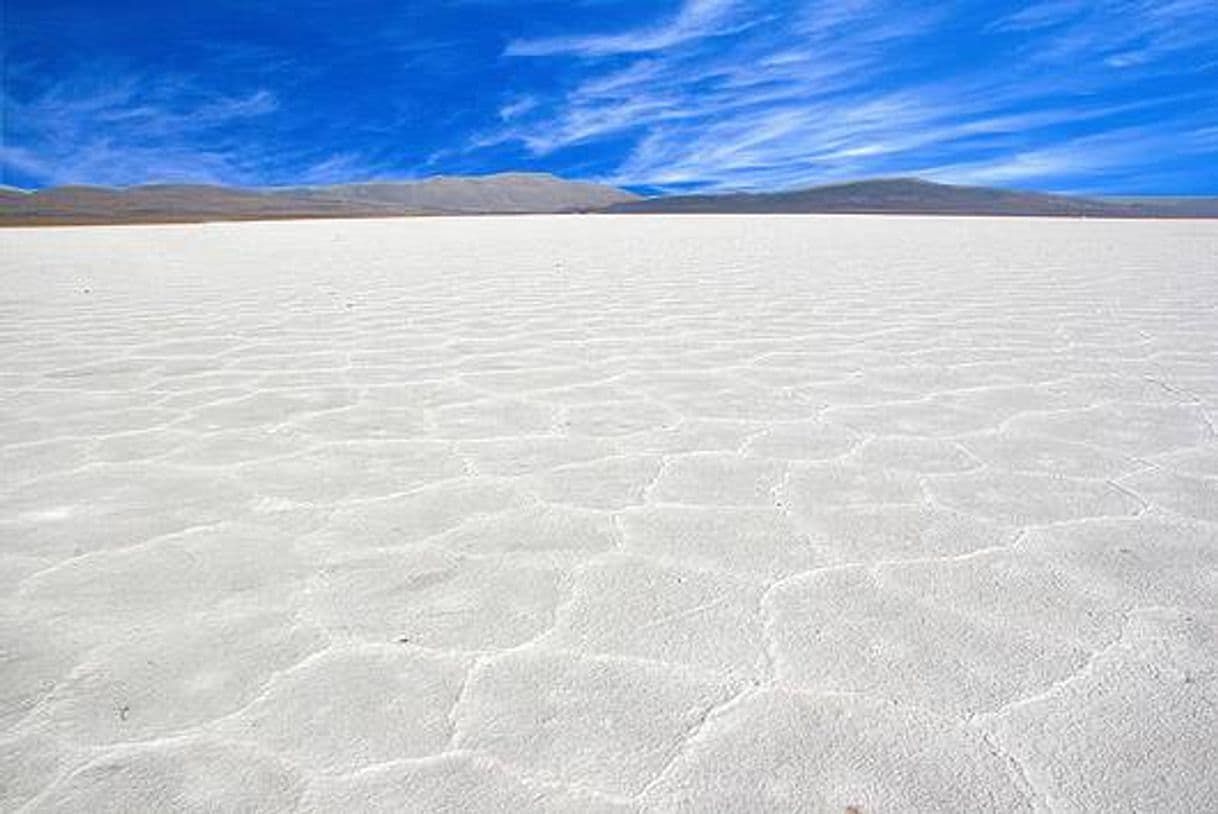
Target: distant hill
{"type": "Point", "coordinates": [910, 196]}
{"type": "Point", "coordinates": [156, 203]}
{"type": "Point", "coordinates": [1171, 207]}
{"type": "Point", "coordinates": [517, 193]}
{"type": "Point", "coordinates": [504, 193]}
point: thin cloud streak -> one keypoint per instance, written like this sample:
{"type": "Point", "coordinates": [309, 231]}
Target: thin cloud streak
{"type": "Point", "coordinates": [108, 129]}
{"type": "Point", "coordinates": [695, 20]}
{"type": "Point", "coordinates": [836, 95]}
{"type": "Point", "coordinates": [116, 128]}
{"type": "Point", "coordinates": [686, 95]}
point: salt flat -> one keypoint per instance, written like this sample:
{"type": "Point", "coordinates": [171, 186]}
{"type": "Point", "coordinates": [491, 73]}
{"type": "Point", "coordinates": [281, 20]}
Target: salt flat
{"type": "Point", "coordinates": [597, 513]}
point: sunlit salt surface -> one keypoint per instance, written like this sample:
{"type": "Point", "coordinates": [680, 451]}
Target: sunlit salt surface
{"type": "Point", "coordinates": [610, 514]}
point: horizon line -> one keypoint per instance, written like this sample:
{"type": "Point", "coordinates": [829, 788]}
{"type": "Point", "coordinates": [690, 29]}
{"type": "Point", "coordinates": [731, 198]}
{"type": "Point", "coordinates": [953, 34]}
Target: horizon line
{"type": "Point", "coordinates": [632, 188]}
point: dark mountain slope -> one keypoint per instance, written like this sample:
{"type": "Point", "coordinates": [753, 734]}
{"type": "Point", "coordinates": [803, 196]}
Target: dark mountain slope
{"type": "Point", "coordinates": [908, 196]}
{"type": "Point", "coordinates": [153, 203]}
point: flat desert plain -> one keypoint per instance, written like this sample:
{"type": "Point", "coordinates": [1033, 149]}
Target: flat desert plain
{"type": "Point", "coordinates": [595, 513]}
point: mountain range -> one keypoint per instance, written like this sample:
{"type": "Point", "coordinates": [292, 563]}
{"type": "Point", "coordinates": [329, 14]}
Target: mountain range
{"type": "Point", "coordinates": [911, 196]}
{"type": "Point", "coordinates": [507, 193]}
{"type": "Point", "coordinates": [522, 193]}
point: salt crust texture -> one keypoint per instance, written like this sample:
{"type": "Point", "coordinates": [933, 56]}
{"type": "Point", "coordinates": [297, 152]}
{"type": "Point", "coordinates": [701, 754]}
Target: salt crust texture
{"type": "Point", "coordinates": [731, 514]}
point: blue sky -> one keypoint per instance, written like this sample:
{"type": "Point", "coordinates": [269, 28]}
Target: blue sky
{"type": "Point", "coordinates": [1108, 96]}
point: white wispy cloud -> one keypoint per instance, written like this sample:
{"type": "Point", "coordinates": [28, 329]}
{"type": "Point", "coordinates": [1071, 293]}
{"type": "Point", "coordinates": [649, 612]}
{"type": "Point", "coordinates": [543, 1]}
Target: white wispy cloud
{"type": "Point", "coordinates": [1118, 33]}
{"type": "Point", "coordinates": [109, 128]}
{"type": "Point", "coordinates": [844, 88]}
{"type": "Point", "coordinates": [517, 107]}
{"type": "Point", "coordinates": [1039, 15]}
{"type": "Point", "coordinates": [702, 94]}
{"type": "Point", "coordinates": [1071, 161]}
{"type": "Point", "coordinates": [696, 19]}
{"type": "Point", "coordinates": [117, 128]}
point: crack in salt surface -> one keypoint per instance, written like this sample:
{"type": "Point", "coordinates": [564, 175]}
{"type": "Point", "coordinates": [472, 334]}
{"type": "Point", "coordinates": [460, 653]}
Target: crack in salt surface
{"type": "Point", "coordinates": [691, 735]}
{"type": "Point", "coordinates": [873, 565]}
{"type": "Point", "coordinates": [1038, 797]}
{"type": "Point", "coordinates": [674, 340]}
{"type": "Point", "coordinates": [1085, 671]}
